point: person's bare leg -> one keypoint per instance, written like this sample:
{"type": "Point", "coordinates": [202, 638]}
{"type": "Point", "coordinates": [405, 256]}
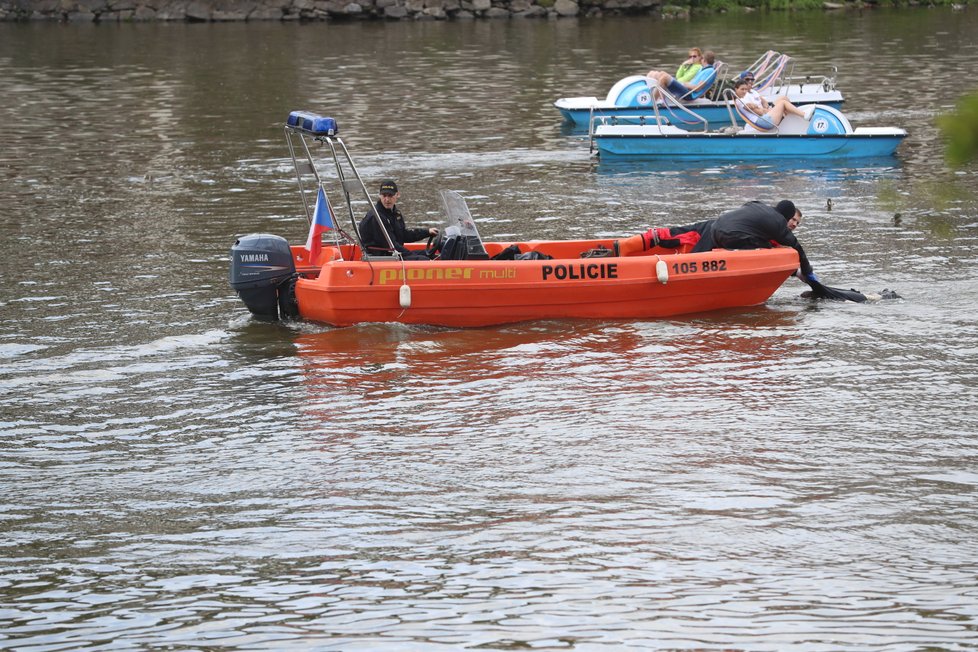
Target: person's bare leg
{"type": "Point", "coordinates": [789, 107]}
{"type": "Point", "coordinates": [776, 114]}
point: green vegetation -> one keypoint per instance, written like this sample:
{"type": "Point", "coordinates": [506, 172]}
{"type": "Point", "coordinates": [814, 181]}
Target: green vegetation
{"type": "Point", "coordinates": [674, 11]}
{"type": "Point", "coordinates": [960, 130]}
{"type": "Point", "coordinates": [802, 5]}
{"type": "Point", "coordinates": [789, 5]}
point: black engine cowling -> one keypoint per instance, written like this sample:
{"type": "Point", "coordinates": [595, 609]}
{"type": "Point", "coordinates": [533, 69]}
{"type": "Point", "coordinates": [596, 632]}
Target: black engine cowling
{"type": "Point", "coordinates": [263, 274]}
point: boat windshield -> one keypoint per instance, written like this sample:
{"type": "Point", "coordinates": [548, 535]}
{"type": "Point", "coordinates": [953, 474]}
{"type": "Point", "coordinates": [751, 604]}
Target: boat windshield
{"type": "Point", "coordinates": [458, 215]}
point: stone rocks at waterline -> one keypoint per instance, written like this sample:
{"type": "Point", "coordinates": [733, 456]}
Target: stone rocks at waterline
{"type": "Point", "coordinates": [310, 10]}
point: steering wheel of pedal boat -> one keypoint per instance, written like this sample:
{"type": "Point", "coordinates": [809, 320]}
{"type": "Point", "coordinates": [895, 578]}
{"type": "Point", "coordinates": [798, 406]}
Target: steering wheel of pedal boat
{"type": "Point", "coordinates": [433, 247]}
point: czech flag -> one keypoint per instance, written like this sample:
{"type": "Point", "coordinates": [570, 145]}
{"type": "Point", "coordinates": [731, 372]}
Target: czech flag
{"type": "Point", "coordinates": [322, 220]}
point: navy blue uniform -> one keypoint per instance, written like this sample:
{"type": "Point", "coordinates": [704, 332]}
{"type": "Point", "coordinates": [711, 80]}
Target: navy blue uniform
{"type": "Point", "coordinates": [373, 238]}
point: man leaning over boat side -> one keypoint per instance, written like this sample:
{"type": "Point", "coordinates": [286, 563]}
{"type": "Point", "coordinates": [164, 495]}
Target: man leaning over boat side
{"type": "Point", "coordinates": [752, 226]}
{"type": "Point", "coordinates": [759, 226]}
{"type": "Point", "coordinates": [372, 230]}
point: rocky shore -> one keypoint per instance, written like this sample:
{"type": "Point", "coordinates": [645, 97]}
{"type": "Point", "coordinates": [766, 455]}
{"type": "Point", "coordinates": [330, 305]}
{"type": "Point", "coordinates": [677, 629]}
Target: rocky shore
{"type": "Point", "coordinates": [102, 11]}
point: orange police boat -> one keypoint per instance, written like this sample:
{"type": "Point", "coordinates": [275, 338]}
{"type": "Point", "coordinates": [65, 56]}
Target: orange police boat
{"type": "Point", "coordinates": [467, 282]}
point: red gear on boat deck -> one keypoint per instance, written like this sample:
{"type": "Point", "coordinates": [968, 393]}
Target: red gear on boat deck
{"type": "Point", "coordinates": [651, 238]}
{"type": "Point", "coordinates": [663, 237]}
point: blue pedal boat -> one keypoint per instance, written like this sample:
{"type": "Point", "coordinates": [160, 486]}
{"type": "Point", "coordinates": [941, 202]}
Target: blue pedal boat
{"type": "Point", "coordinates": [824, 132]}
{"type": "Point", "coordinates": [631, 97]}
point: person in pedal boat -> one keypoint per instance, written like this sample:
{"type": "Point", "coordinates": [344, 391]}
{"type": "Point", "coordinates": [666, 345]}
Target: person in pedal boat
{"type": "Point", "coordinates": [680, 89]}
{"type": "Point", "coordinates": [372, 230]}
{"type": "Point", "coordinates": [763, 118]}
{"type": "Point", "coordinates": [687, 69]}
{"type": "Point", "coordinates": [752, 99]}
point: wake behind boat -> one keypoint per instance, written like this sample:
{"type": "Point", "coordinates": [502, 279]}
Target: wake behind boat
{"type": "Point", "coordinates": [469, 282]}
{"type": "Point", "coordinates": [631, 96]}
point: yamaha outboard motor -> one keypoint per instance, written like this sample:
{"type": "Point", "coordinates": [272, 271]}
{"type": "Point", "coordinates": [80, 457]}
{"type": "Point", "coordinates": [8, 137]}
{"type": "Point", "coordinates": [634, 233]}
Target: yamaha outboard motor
{"type": "Point", "coordinates": [263, 274]}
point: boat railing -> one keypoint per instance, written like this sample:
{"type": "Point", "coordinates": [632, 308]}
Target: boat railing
{"type": "Point", "coordinates": [597, 120]}
{"type": "Point", "coordinates": [302, 128]}
{"type": "Point", "coordinates": [675, 110]}
{"type": "Point", "coordinates": [729, 97]}
{"type": "Point", "coordinates": [666, 109]}
{"type": "Point", "coordinates": [720, 82]}
{"type": "Point", "coordinates": [827, 82]}
{"type": "Point", "coordinates": [642, 120]}
{"type": "Point", "coordinates": [776, 70]}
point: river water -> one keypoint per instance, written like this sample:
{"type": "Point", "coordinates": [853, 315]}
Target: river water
{"type": "Point", "coordinates": [176, 475]}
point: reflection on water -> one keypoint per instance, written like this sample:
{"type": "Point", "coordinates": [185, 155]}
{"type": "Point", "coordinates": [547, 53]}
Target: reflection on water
{"type": "Point", "coordinates": [809, 179]}
{"type": "Point", "coordinates": [176, 474]}
{"type": "Point", "coordinates": [852, 170]}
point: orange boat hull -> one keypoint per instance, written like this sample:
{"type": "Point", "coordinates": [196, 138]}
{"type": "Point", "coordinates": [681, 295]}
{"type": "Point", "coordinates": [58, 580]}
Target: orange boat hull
{"type": "Point", "coordinates": [465, 293]}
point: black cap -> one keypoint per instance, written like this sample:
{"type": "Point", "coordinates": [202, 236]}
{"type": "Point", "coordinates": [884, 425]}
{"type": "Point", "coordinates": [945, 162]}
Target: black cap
{"type": "Point", "coordinates": [786, 208]}
{"type": "Point", "coordinates": [388, 187]}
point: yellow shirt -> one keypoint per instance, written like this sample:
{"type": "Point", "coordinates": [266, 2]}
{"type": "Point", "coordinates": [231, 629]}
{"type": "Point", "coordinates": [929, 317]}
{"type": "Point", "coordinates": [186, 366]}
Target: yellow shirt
{"type": "Point", "coordinates": [687, 71]}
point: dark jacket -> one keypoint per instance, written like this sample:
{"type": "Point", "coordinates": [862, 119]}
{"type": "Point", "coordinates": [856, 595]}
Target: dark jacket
{"type": "Point", "coordinates": [373, 237]}
{"type": "Point", "coordinates": [705, 231]}
{"type": "Point", "coordinates": [755, 226]}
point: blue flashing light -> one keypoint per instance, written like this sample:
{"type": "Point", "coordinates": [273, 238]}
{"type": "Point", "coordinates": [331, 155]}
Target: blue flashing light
{"type": "Point", "coordinates": [313, 123]}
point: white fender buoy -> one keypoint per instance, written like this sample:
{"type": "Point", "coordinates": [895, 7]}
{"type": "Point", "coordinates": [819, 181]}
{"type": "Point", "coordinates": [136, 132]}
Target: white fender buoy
{"type": "Point", "coordinates": [662, 271]}
{"type": "Point", "coordinates": [405, 296]}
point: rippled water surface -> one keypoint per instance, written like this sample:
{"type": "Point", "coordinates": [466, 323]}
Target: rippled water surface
{"type": "Point", "coordinates": [176, 475]}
